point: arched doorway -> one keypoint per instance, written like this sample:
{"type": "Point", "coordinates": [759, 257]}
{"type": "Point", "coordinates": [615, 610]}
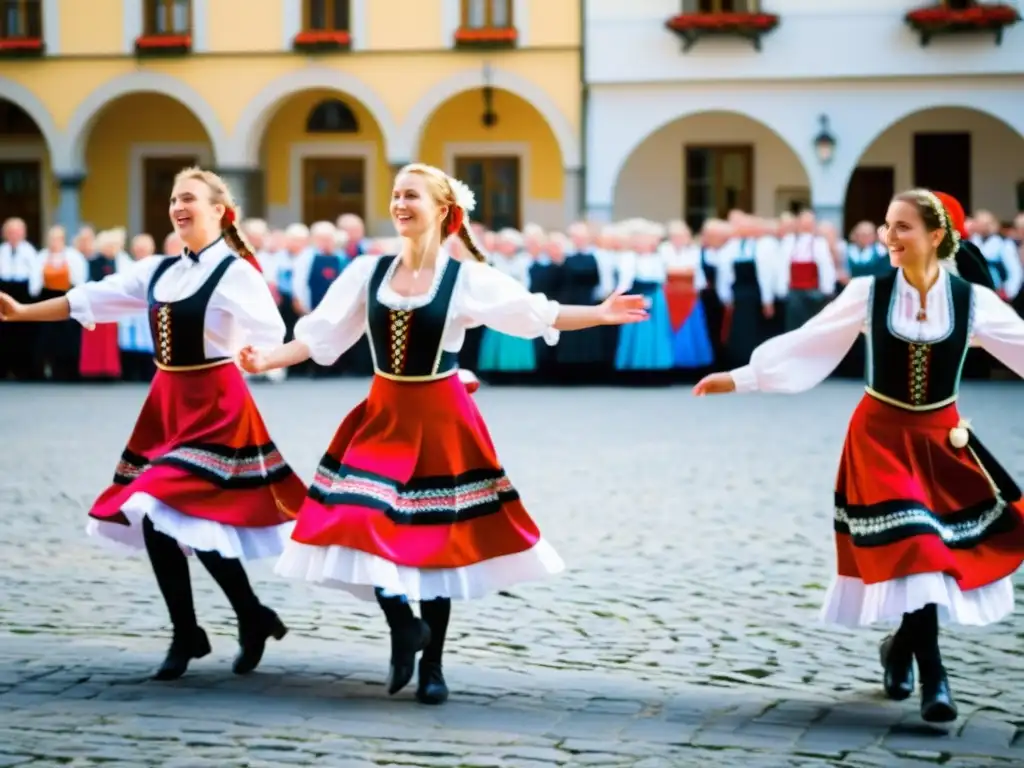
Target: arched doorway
{"type": "Point", "coordinates": [24, 164]}
{"type": "Point", "coordinates": [322, 155]}
{"type": "Point", "coordinates": [133, 148]}
{"type": "Point", "coordinates": [703, 165]}
{"type": "Point", "coordinates": [968, 153]}
{"type": "Point", "coordinates": [503, 148]}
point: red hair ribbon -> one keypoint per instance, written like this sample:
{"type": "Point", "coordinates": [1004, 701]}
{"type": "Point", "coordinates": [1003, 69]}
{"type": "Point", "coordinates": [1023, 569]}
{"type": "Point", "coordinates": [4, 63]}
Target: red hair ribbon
{"type": "Point", "coordinates": [228, 218]}
{"type": "Point", "coordinates": [457, 218]}
{"type": "Point", "coordinates": [956, 212]}
{"type": "Point", "coordinates": [252, 260]}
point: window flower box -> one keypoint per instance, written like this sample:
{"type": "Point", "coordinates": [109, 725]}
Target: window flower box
{"type": "Point", "coordinates": [322, 40]}
{"type": "Point", "coordinates": [941, 20]}
{"type": "Point", "coordinates": [21, 47]}
{"type": "Point", "coordinates": [691, 27]}
{"type": "Point", "coordinates": [163, 45]}
{"type": "Point", "coordinates": [486, 37]}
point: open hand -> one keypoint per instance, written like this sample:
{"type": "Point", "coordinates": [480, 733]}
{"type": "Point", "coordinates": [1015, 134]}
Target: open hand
{"type": "Point", "coordinates": [252, 360]}
{"type": "Point", "coordinates": [715, 384]}
{"type": "Point", "coordinates": [622, 310]}
{"type": "Point", "coordinates": [10, 310]}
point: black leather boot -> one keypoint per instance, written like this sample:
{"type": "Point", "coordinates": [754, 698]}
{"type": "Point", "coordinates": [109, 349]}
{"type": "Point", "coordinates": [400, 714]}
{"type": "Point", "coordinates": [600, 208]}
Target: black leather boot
{"type": "Point", "coordinates": [898, 668]}
{"type": "Point", "coordinates": [432, 689]}
{"type": "Point", "coordinates": [252, 639]}
{"type": "Point", "coordinates": [937, 705]}
{"type": "Point", "coordinates": [406, 642]}
{"type": "Point", "coordinates": [185, 646]}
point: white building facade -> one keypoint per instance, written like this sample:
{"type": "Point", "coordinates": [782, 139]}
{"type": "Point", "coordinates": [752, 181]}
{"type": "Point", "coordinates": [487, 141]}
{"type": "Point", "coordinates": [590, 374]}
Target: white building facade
{"type": "Point", "coordinates": [673, 134]}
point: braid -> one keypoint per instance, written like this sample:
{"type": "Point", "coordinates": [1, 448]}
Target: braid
{"type": "Point", "coordinates": [236, 240]}
{"type": "Point", "coordinates": [465, 234]}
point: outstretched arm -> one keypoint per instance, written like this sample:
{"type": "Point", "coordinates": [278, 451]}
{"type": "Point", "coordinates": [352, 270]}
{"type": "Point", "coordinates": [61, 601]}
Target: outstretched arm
{"type": "Point", "coordinates": [998, 329]}
{"type": "Point", "coordinates": [326, 332]}
{"type": "Point", "coordinates": [48, 311]}
{"type": "Point", "coordinates": [489, 297]}
{"type": "Point", "coordinates": [801, 359]}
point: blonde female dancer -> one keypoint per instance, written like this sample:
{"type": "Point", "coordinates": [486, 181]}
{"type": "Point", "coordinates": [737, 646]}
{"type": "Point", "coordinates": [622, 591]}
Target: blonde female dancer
{"type": "Point", "coordinates": [200, 471]}
{"type": "Point", "coordinates": [410, 502]}
{"type": "Point", "coordinates": [928, 526]}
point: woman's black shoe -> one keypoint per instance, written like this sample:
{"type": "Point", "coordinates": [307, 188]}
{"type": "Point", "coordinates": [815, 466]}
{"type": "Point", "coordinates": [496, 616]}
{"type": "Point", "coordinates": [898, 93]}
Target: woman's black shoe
{"type": "Point", "coordinates": [252, 640]}
{"type": "Point", "coordinates": [937, 705]}
{"type": "Point", "coordinates": [432, 688]}
{"type": "Point", "coordinates": [185, 646]}
{"type": "Point", "coordinates": [405, 644]}
{"type": "Point", "coordinates": [898, 676]}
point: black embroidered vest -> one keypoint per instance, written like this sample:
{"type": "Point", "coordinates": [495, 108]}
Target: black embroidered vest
{"type": "Point", "coordinates": [406, 343]}
{"type": "Point", "coordinates": [179, 327]}
{"type": "Point", "coordinates": [913, 374]}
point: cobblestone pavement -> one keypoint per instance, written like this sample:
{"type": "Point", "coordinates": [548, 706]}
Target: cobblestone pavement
{"type": "Point", "coordinates": [697, 534]}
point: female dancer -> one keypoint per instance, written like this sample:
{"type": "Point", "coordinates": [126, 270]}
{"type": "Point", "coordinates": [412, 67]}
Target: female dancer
{"type": "Point", "coordinates": [200, 471]}
{"type": "Point", "coordinates": [410, 502]}
{"type": "Point", "coordinates": [928, 526]}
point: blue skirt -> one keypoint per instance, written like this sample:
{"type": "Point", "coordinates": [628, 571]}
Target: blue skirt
{"type": "Point", "coordinates": [647, 346]}
{"type": "Point", "coordinates": [692, 344]}
{"type": "Point", "coordinates": [501, 352]}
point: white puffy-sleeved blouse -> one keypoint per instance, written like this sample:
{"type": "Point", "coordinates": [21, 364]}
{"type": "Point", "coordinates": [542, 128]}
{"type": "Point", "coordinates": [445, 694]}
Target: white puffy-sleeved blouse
{"type": "Point", "coordinates": [241, 311]}
{"type": "Point", "coordinates": [802, 358]}
{"type": "Point", "coordinates": [483, 295]}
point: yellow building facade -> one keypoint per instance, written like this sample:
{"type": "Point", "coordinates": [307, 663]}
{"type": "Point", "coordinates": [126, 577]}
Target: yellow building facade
{"type": "Point", "coordinates": [305, 106]}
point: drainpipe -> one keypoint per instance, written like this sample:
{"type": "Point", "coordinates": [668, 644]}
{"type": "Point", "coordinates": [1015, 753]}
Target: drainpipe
{"type": "Point", "coordinates": [584, 111]}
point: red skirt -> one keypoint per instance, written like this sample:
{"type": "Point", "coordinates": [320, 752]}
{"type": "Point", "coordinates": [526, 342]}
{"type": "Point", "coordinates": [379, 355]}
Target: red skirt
{"type": "Point", "coordinates": [412, 477]}
{"type": "Point", "coordinates": [100, 356]}
{"type": "Point", "coordinates": [200, 447]}
{"type": "Point", "coordinates": [908, 502]}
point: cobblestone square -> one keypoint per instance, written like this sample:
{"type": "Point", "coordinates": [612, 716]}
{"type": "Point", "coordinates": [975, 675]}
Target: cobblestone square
{"type": "Point", "coordinates": [697, 535]}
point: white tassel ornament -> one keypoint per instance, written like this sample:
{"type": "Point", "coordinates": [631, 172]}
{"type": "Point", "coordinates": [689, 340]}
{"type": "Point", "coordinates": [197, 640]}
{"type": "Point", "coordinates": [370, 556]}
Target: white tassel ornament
{"type": "Point", "coordinates": [960, 434]}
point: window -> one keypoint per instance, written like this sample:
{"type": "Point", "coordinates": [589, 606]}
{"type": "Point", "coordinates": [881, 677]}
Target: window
{"type": "Point", "coordinates": [326, 15]}
{"type": "Point", "coordinates": [721, 6]}
{"type": "Point", "coordinates": [21, 19]}
{"type": "Point", "coordinates": [332, 116]}
{"type": "Point", "coordinates": [168, 17]}
{"type": "Point", "coordinates": [717, 180]}
{"type": "Point", "coordinates": [486, 14]}
{"type": "Point", "coordinates": [495, 182]}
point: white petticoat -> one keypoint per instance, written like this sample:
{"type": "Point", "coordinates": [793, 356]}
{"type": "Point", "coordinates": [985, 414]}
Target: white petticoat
{"type": "Point", "coordinates": [192, 533]}
{"type": "Point", "coordinates": [360, 573]}
{"type": "Point", "coordinates": [852, 603]}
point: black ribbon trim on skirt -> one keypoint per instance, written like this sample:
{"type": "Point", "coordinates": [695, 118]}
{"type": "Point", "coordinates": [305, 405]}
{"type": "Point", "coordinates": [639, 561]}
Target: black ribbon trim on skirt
{"type": "Point", "coordinates": [274, 474]}
{"type": "Point", "coordinates": [894, 531]}
{"type": "Point", "coordinates": [432, 514]}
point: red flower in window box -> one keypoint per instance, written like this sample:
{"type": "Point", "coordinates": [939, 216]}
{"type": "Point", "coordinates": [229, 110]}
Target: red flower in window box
{"type": "Point", "coordinates": [982, 17]}
{"type": "Point", "coordinates": [313, 40]}
{"type": "Point", "coordinates": [486, 37]}
{"type": "Point", "coordinates": [12, 47]}
{"type": "Point", "coordinates": [161, 45]}
{"type": "Point", "coordinates": [690, 27]}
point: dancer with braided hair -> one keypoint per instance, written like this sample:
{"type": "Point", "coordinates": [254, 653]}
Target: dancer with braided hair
{"type": "Point", "coordinates": [410, 502]}
{"type": "Point", "coordinates": [200, 473]}
{"type": "Point", "coordinates": [929, 528]}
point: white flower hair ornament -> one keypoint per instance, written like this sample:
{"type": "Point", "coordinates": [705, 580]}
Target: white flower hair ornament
{"type": "Point", "coordinates": [464, 197]}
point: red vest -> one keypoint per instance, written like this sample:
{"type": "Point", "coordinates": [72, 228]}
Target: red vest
{"type": "Point", "coordinates": [803, 276]}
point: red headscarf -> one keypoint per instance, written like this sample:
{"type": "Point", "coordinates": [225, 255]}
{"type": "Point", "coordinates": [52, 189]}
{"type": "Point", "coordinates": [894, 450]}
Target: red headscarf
{"type": "Point", "coordinates": [956, 212]}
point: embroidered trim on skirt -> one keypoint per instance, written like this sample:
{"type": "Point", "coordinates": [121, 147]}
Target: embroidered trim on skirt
{"type": "Point", "coordinates": [410, 497]}
{"type": "Point", "coordinates": [918, 520]}
{"type": "Point", "coordinates": [201, 465]}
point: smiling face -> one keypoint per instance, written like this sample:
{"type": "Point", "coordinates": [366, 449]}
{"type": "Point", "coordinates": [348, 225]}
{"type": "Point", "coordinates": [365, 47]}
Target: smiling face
{"type": "Point", "coordinates": [414, 204]}
{"type": "Point", "coordinates": [912, 241]}
{"type": "Point", "coordinates": [194, 215]}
